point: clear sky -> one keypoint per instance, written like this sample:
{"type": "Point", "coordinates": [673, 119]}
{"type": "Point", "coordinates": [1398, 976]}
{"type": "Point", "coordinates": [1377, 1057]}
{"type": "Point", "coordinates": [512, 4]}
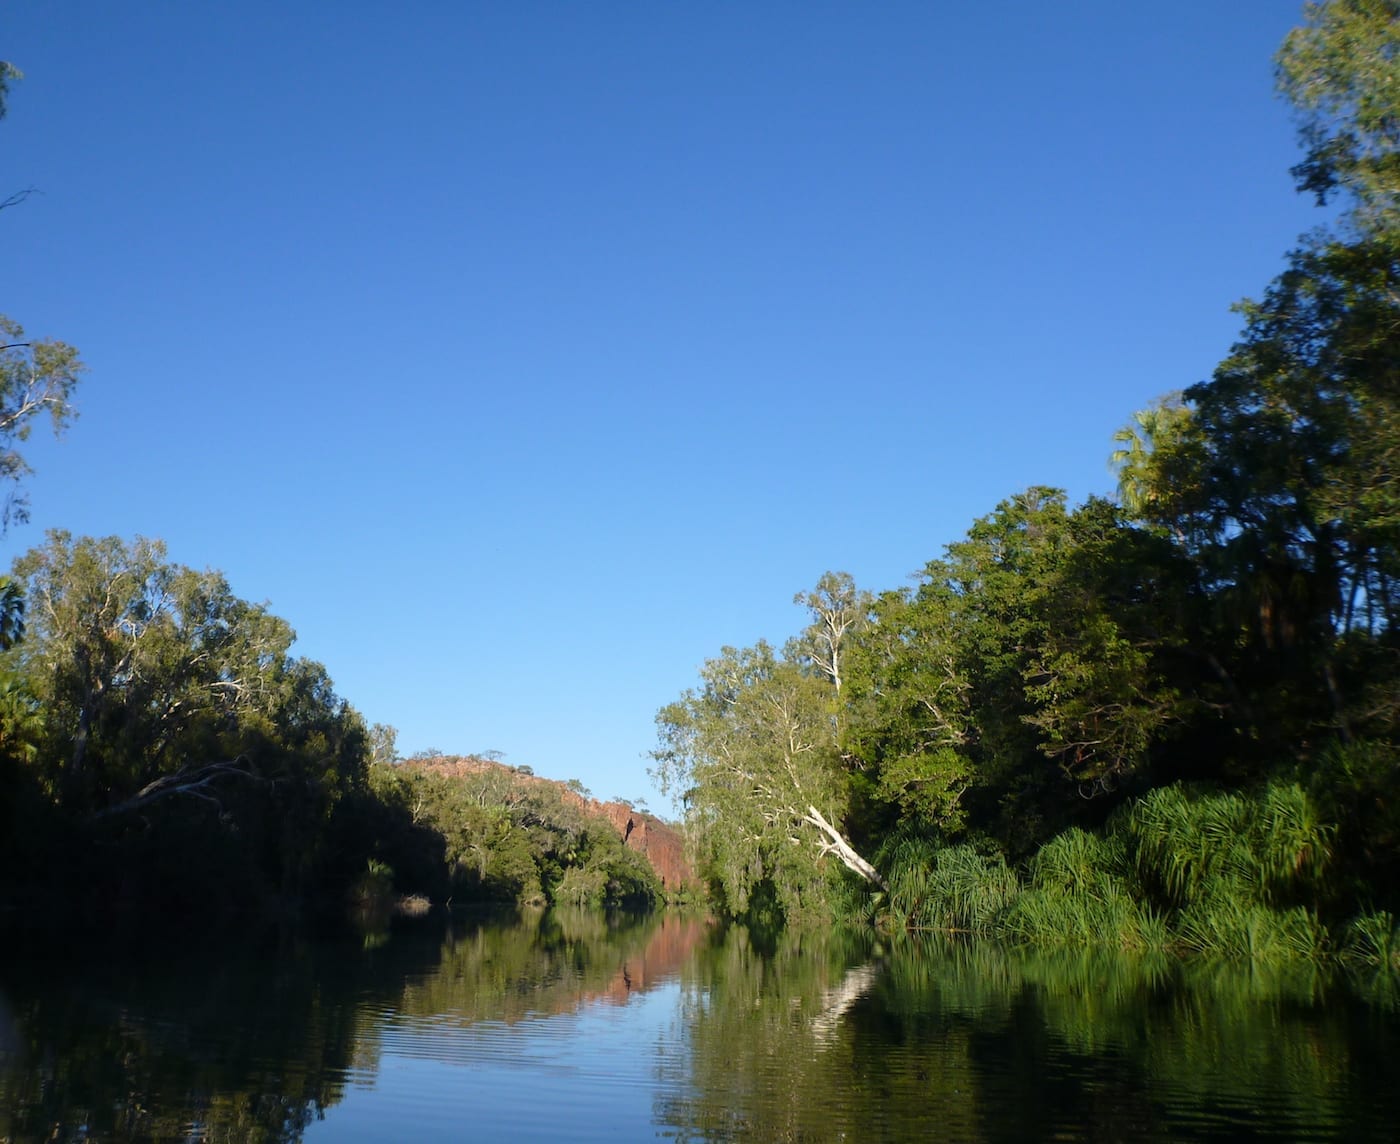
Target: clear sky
{"type": "Point", "coordinates": [523, 354]}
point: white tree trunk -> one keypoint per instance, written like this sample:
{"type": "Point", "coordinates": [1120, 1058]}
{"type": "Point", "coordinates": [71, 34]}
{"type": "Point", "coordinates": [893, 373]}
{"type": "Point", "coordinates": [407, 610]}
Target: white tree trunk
{"type": "Point", "coordinates": [842, 849]}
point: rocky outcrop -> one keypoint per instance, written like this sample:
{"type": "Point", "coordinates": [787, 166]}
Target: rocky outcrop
{"type": "Point", "coordinates": [654, 838]}
{"type": "Point", "coordinates": [658, 841]}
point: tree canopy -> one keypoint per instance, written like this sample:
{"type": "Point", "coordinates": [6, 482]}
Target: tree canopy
{"type": "Point", "coordinates": [1231, 619]}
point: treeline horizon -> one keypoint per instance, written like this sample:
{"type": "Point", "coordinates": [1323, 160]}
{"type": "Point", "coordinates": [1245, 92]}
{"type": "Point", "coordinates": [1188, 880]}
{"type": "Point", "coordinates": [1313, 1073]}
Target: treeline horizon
{"type": "Point", "coordinates": [165, 756]}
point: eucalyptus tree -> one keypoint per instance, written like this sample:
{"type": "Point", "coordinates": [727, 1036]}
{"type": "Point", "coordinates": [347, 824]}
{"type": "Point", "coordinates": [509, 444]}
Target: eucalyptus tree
{"type": "Point", "coordinates": [753, 754]}
{"type": "Point", "coordinates": [187, 760]}
{"type": "Point", "coordinates": [129, 654]}
{"type": "Point", "coordinates": [37, 379]}
{"type": "Point", "coordinates": [383, 744]}
{"type": "Point", "coordinates": [147, 671]}
{"type": "Point", "coordinates": [838, 610]}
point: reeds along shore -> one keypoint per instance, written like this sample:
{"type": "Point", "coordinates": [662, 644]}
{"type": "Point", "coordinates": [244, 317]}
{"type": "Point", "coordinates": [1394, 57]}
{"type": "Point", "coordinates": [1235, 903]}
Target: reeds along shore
{"type": "Point", "coordinates": [1224, 873]}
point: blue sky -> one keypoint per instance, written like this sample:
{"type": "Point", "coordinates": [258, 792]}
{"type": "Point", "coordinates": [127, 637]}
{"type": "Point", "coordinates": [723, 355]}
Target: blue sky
{"type": "Point", "coordinates": [524, 354]}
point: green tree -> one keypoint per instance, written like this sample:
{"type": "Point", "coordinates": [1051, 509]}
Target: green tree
{"type": "Point", "coordinates": [838, 610]}
{"type": "Point", "coordinates": [180, 739]}
{"type": "Point", "coordinates": [992, 582]}
{"type": "Point", "coordinates": [1341, 72]}
{"type": "Point", "coordinates": [908, 726]}
{"type": "Point", "coordinates": [1285, 495]}
{"type": "Point", "coordinates": [753, 754]}
{"type": "Point", "coordinates": [383, 743]}
{"type": "Point", "coordinates": [1036, 666]}
{"type": "Point", "coordinates": [167, 699]}
{"type": "Point", "coordinates": [1276, 474]}
{"type": "Point", "coordinates": [140, 664]}
{"type": "Point", "coordinates": [508, 837]}
{"type": "Point", "coordinates": [1105, 682]}
{"type": "Point", "coordinates": [36, 379]}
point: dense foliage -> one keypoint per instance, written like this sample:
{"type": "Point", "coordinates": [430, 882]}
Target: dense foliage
{"type": "Point", "coordinates": [1217, 651]}
{"type": "Point", "coordinates": [164, 748]}
{"type": "Point", "coordinates": [164, 752]}
{"type": "Point", "coordinates": [493, 833]}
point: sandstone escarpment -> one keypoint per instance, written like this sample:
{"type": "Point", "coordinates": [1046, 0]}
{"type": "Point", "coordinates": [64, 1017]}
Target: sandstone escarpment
{"type": "Point", "coordinates": [655, 839]}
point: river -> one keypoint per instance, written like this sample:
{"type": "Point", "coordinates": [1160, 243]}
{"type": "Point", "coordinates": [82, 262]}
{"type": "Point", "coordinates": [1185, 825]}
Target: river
{"type": "Point", "coordinates": [567, 1026]}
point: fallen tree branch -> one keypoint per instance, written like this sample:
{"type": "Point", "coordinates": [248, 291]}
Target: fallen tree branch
{"type": "Point", "coordinates": [837, 845]}
{"type": "Point", "coordinates": [194, 781]}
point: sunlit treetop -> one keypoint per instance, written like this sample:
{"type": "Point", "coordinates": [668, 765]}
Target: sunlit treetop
{"type": "Point", "coordinates": [1341, 72]}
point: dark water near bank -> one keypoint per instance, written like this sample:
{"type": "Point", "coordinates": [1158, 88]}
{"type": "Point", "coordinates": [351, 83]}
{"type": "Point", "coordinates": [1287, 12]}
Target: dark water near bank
{"type": "Point", "coordinates": [570, 1027]}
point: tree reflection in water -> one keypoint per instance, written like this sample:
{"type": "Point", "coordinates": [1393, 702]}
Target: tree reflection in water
{"type": "Point", "coordinates": [799, 1036]}
{"type": "Point", "coordinates": [254, 1045]}
{"type": "Point", "coordinates": [949, 1040]}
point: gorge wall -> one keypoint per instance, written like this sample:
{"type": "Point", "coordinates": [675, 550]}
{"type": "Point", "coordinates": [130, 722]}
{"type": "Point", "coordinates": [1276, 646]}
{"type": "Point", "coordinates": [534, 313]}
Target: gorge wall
{"type": "Point", "coordinates": [655, 839]}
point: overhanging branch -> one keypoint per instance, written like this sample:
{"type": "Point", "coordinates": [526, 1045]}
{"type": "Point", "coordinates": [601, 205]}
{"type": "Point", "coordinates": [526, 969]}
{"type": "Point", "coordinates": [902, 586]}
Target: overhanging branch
{"type": "Point", "coordinates": [195, 782]}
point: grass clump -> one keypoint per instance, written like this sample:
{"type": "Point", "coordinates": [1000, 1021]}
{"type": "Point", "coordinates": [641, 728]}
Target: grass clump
{"type": "Point", "coordinates": [1374, 940]}
{"type": "Point", "coordinates": [1209, 872]}
{"type": "Point", "coordinates": [1241, 875]}
{"type": "Point", "coordinates": [1232, 927]}
{"type": "Point", "coordinates": [952, 888]}
{"type": "Point", "coordinates": [1080, 894]}
{"type": "Point", "coordinates": [1191, 847]}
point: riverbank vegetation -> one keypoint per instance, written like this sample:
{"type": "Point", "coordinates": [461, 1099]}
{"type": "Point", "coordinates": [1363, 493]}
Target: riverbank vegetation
{"type": "Point", "coordinates": [166, 757]}
{"type": "Point", "coordinates": [1164, 720]}
{"type": "Point", "coordinates": [474, 830]}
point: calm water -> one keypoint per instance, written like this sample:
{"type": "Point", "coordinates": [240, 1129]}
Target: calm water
{"type": "Point", "coordinates": [570, 1027]}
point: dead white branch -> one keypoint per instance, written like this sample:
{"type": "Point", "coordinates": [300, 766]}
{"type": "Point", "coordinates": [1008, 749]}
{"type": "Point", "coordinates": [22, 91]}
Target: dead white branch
{"type": "Point", "coordinates": [835, 844]}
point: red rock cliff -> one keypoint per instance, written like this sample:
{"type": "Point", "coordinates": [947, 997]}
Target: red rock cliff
{"type": "Point", "coordinates": [656, 840]}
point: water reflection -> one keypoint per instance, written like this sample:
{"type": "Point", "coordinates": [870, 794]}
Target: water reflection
{"type": "Point", "coordinates": [205, 1046]}
{"type": "Point", "coordinates": [972, 1042]}
{"type": "Point", "coordinates": [257, 1044]}
{"type": "Point", "coordinates": [575, 1026]}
